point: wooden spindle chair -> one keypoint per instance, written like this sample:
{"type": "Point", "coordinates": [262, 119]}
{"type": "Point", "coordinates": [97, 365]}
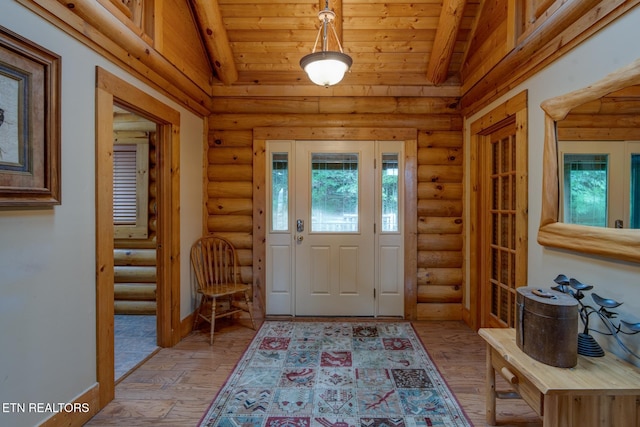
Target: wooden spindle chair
{"type": "Point", "coordinates": [215, 264]}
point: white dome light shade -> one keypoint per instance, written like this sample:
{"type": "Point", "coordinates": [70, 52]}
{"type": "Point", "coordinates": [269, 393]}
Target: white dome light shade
{"type": "Point", "coordinates": [326, 68]}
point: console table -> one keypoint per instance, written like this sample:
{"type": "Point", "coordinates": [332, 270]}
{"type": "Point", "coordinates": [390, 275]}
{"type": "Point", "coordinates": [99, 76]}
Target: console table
{"type": "Point", "coordinates": [598, 391]}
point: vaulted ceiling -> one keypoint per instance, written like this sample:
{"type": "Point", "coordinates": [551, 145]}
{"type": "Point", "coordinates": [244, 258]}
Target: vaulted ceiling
{"type": "Point", "coordinates": [392, 42]}
{"type": "Point", "coordinates": [199, 51]}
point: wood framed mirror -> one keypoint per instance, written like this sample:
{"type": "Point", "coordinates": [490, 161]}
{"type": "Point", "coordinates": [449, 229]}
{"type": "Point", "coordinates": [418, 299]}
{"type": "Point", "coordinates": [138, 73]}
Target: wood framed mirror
{"type": "Point", "coordinates": [621, 244]}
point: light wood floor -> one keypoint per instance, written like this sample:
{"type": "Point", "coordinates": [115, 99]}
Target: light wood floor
{"type": "Point", "coordinates": [176, 385]}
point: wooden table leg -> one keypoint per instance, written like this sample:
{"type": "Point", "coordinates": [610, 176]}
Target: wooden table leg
{"type": "Point", "coordinates": [551, 415]}
{"type": "Point", "coordinates": [491, 390]}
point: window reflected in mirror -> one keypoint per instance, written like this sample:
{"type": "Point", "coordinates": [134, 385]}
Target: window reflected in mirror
{"type": "Point", "coordinates": [585, 189]}
{"type": "Point", "coordinates": [599, 182]}
{"type": "Point", "coordinates": [597, 142]}
{"type": "Point", "coordinates": [591, 178]}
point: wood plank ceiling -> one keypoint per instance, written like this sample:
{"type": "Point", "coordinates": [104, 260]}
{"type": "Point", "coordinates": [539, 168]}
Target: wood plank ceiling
{"type": "Point", "coordinates": [392, 42]}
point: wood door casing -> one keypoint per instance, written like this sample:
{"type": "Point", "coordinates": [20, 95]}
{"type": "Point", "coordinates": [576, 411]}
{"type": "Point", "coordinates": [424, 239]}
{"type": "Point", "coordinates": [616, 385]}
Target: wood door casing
{"type": "Point", "coordinates": [258, 237]}
{"type": "Point", "coordinates": [109, 90]}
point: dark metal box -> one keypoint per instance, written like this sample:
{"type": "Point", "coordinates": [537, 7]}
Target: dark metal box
{"type": "Point", "coordinates": [547, 326]}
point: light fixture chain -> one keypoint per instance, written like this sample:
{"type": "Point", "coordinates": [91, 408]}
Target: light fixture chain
{"type": "Point", "coordinates": [325, 24]}
{"type": "Point", "coordinates": [315, 45]}
{"type": "Point", "coordinates": [335, 33]}
{"type": "Point", "coordinates": [326, 68]}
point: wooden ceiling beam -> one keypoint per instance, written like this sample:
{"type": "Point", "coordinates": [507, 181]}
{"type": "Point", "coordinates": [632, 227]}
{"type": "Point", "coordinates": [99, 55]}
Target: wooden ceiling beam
{"type": "Point", "coordinates": [215, 39]}
{"type": "Point", "coordinates": [256, 91]}
{"type": "Point", "coordinates": [444, 43]}
{"type": "Point", "coordinates": [336, 6]}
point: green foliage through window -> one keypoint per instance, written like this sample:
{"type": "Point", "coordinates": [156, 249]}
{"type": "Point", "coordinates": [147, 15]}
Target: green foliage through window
{"type": "Point", "coordinates": [334, 192]}
{"type": "Point", "coordinates": [390, 192]}
{"type": "Point", "coordinates": [585, 189]}
{"type": "Point", "coordinates": [280, 192]}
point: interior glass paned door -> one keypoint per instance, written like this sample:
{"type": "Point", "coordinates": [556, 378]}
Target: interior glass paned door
{"type": "Point", "coordinates": [334, 220]}
{"type": "Point", "coordinates": [502, 247]}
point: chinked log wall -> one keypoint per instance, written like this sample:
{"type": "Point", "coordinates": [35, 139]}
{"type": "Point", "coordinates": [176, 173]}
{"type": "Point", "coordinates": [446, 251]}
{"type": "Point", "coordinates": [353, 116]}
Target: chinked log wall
{"type": "Point", "coordinates": [437, 126]}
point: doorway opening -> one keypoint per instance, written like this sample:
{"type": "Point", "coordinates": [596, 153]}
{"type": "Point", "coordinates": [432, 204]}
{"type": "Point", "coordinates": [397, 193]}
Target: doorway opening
{"type": "Point", "coordinates": [135, 218]}
{"type": "Point", "coordinates": [114, 95]}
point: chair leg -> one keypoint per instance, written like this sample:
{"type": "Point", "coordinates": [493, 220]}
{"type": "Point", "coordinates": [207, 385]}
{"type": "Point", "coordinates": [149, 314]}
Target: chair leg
{"type": "Point", "coordinates": [250, 308]}
{"type": "Point", "coordinates": [213, 318]}
{"type": "Point", "coordinates": [197, 315]}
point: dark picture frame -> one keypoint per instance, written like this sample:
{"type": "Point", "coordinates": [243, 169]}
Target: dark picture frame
{"type": "Point", "coordinates": [29, 123]}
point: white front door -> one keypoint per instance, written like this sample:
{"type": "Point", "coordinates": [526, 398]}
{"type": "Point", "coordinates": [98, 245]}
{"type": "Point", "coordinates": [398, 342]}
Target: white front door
{"type": "Point", "coordinates": [335, 242]}
{"type": "Point", "coordinates": [334, 237]}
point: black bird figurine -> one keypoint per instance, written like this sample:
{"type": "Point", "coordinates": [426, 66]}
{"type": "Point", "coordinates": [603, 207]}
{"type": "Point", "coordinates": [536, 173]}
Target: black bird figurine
{"type": "Point", "coordinates": [633, 327]}
{"type": "Point", "coordinates": [578, 286]}
{"type": "Point", "coordinates": [563, 284]}
{"type": "Point", "coordinates": [605, 302]}
{"type": "Point", "coordinates": [587, 345]}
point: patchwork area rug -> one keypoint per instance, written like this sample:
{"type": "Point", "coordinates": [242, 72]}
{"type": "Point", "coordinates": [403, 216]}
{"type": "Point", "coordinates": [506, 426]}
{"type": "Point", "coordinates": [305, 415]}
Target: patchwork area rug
{"type": "Point", "coordinates": [342, 374]}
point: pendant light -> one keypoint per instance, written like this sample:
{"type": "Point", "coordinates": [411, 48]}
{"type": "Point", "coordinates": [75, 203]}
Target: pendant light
{"type": "Point", "coordinates": [326, 67]}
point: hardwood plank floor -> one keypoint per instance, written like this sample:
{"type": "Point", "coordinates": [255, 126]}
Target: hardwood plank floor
{"type": "Point", "coordinates": [176, 385]}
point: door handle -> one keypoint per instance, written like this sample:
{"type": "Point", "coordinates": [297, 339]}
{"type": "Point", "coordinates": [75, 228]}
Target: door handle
{"type": "Point", "coordinates": [299, 238]}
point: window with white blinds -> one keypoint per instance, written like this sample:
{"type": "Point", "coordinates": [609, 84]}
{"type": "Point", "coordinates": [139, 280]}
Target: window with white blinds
{"type": "Point", "coordinates": [124, 185]}
{"type": "Point", "coordinates": [130, 190]}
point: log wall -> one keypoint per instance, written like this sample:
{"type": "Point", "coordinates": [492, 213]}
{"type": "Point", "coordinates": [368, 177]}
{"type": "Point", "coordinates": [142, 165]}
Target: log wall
{"type": "Point", "coordinates": [440, 243]}
{"type": "Point", "coordinates": [229, 201]}
{"type": "Point", "coordinates": [135, 259]}
{"type": "Point", "coordinates": [438, 128]}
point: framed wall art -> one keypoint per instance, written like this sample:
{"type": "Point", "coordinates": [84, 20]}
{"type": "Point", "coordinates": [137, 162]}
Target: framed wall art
{"type": "Point", "coordinates": [29, 123]}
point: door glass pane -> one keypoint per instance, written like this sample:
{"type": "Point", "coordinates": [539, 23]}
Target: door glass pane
{"type": "Point", "coordinates": [585, 189]}
{"type": "Point", "coordinates": [334, 192]}
{"type": "Point", "coordinates": [634, 211]}
{"type": "Point", "coordinates": [390, 192]}
{"type": "Point", "coordinates": [280, 192]}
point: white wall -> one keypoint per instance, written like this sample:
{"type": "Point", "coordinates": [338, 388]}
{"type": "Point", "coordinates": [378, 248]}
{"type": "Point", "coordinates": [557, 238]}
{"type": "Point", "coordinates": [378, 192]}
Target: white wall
{"type": "Point", "coordinates": [603, 53]}
{"type": "Point", "coordinates": [192, 132]}
{"type": "Point", "coordinates": [47, 257]}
